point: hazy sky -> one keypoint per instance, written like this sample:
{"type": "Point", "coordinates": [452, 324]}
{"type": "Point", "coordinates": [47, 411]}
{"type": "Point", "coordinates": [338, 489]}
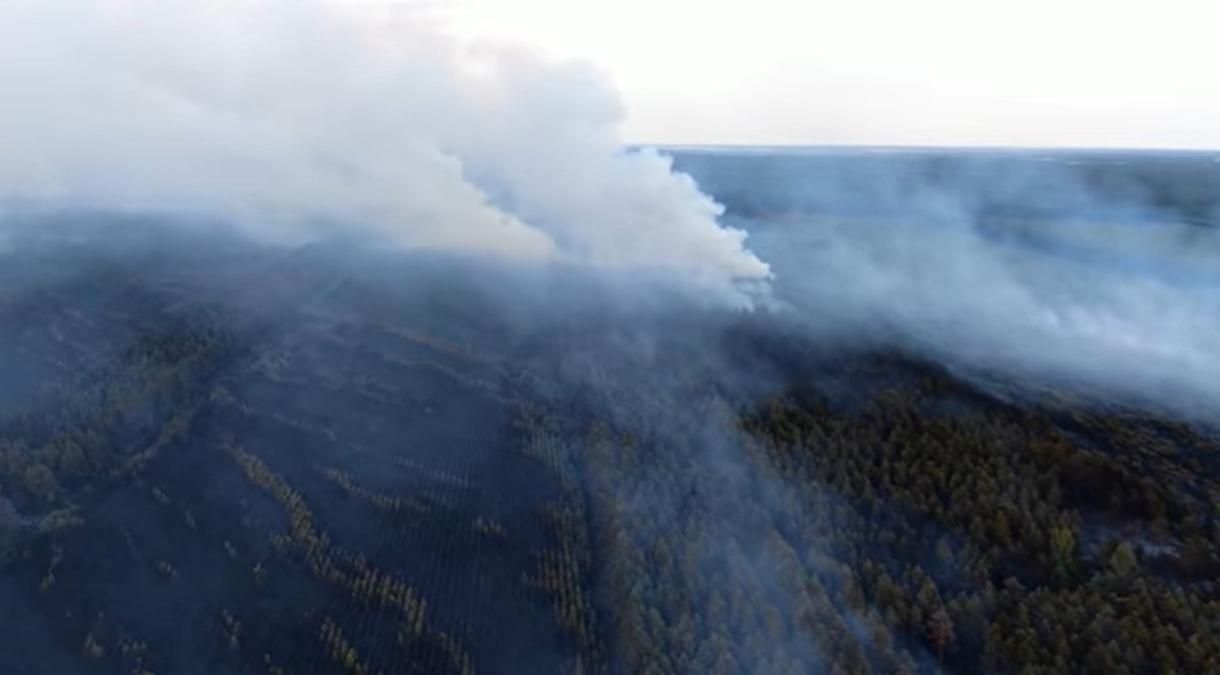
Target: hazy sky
{"type": "Point", "coordinates": [940, 72]}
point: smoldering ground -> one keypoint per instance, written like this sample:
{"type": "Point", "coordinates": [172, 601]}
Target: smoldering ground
{"type": "Point", "coordinates": [349, 353]}
{"type": "Point", "coordinates": [341, 351]}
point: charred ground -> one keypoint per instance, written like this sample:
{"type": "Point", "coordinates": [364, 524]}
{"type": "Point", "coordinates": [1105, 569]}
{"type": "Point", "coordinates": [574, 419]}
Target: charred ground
{"type": "Point", "coordinates": [226, 457]}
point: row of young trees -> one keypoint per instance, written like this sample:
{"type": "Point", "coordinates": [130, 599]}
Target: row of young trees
{"type": "Point", "coordinates": [564, 569]}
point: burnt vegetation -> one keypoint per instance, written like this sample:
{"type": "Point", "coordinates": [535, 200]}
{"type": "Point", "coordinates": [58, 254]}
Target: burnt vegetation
{"type": "Point", "coordinates": [287, 468]}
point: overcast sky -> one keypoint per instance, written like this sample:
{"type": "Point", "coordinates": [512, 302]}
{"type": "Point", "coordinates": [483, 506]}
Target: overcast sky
{"type": "Point", "coordinates": [927, 72]}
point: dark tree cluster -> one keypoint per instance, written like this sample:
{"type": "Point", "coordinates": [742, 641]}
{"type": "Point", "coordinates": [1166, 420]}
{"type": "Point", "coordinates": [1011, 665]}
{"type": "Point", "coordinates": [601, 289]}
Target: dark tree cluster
{"type": "Point", "coordinates": [1014, 539]}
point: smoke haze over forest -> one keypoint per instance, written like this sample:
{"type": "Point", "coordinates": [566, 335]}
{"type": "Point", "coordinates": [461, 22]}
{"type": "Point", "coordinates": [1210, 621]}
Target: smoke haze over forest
{"type": "Point", "coordinates": [333, 340]}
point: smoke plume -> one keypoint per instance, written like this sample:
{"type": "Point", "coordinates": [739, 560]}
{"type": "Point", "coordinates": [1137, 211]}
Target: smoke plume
{"type": "Point", "coordinates": [1097, 271]}
{"type": "Point", "coordinates": [292, 118]}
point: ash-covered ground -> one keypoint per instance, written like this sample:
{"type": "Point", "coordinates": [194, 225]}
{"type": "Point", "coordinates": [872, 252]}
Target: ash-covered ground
{"type": "Point", "coordinates": [951, 435]}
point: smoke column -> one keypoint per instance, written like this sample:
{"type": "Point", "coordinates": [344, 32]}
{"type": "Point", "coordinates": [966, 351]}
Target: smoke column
{"type": "Point", "coordinates": [294, 117]}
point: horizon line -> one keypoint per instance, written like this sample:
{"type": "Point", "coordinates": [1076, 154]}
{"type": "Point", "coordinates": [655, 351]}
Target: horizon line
{"type": "Point", "coordinates": [927, 148]}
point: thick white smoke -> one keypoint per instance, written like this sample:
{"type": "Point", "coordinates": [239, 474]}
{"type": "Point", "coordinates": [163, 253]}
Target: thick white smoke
{"type": "Point", "coordinates": [1068, 311]}
{"type": "Point", "coordinates": [297, 114]}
